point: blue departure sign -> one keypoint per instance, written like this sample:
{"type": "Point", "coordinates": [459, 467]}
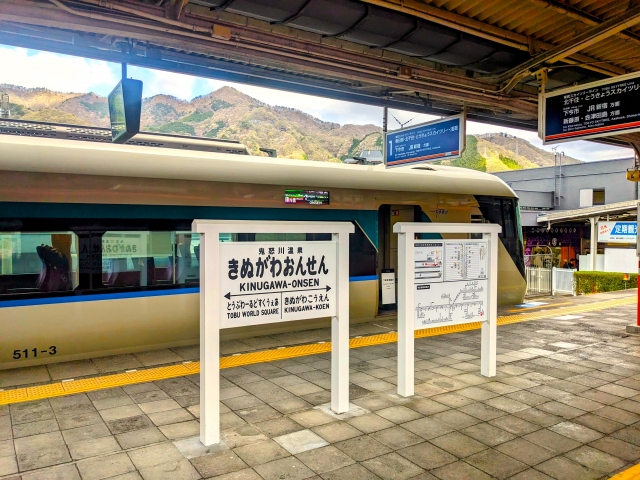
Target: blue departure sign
{"type": "Point", "coordinates": [438, 140]}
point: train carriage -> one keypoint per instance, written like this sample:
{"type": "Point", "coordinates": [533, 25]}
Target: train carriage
{"type": "Point", "coordinates": [97, 256]}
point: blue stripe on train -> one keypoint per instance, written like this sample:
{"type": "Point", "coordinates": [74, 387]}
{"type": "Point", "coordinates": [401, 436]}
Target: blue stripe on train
{"type": "Point", "coordinates": [31, 302]}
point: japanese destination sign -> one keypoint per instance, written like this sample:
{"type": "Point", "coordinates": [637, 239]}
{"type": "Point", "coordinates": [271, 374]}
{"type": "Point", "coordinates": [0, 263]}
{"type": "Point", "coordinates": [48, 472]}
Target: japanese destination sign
{"type": "Point", "coordinates": [276, 282]}
{"type": "Point", "coordinates": [617, 232]}
{"type": "Point", "coordinates": [598, 109]}
{"type": "Point", "coordinates": [427, 142]}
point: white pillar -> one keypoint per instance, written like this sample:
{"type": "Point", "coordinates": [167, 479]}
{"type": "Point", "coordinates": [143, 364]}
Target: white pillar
{"type": "Point", "coordinates": [340, 331]}
{"type": "Point", "coordinates": [406, 325]}
{"type": "Point", "coordinates": [209, 339]}
{"type": "Point", "coordinates": [594, 243]}
{"type": "Point", "coordinates": [489, 329]}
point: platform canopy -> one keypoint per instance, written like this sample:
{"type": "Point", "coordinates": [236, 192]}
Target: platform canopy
{"type": "Point", "coordinates": [613, 211]}
{"type": "Point", "coordinates": [425, 56]}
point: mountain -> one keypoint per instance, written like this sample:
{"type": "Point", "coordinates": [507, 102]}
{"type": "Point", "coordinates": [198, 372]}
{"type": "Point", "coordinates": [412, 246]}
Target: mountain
{"type": "Point", "coordinates": [230, 114]}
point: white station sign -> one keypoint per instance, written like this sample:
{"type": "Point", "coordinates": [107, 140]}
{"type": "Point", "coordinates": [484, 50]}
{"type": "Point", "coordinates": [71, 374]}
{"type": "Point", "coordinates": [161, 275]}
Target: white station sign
{"type": "Point", "coordinates": [267, 282]}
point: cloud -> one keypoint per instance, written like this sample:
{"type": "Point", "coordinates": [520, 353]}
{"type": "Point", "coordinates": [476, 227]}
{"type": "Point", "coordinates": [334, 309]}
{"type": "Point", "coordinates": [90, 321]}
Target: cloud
{"type": "Point", "coordinates": [157, 82]}
{"type": "Point", "coordinates": [62, 73]}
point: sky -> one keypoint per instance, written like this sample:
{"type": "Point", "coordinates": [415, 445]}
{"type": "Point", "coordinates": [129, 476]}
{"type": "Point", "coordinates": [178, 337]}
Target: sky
{"type": "Point", "coordinates": [64, 73]}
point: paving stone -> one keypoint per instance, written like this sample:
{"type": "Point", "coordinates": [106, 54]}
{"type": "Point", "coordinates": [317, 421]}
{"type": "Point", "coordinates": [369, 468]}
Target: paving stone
{"type": "Point", "coordinates": [455, 419]}
{"type": "Point", "coordinates": [242, 401]}
{"type": "Point", "coordinates": [488, 434]}
{"type": "Point", "coordinates": [562, 468]}
{"type": "Point", "coordinates": [154, 455]}
{"type": "Point", "coordinates": [595, 459]}
{"type": "Point", "coordinates": [62, 472]}
{"type": "Point", "coordinates": [458, 444]}
{"type": "Point", "coordinates": [369, 423]}
{"type": "Point", "coordinates": [496, 464]}
{"type": "Point", "coordinates": [230, 420]}
{"type": "Point", "coordinates": [426, 406]}
{"type": "Point", "coordinates": [117, 413]}
{"type": "Point", "coordinates": [507, 404]}
{"type": "Point", "coordinates": [617, 415]}
{"type": "Point", "coordinates": [427, 456]}
{"type": "Point", "coordinates": [578, 432]}
{"type": "Point", "coordinates": [112, 402]}
{"type": "Point", "coordinates": [177, 387]}
{"type": "Point", "coordinates": [35, 428]}
{"type": "Point", "coordinates": [525, 451]}
{"type": "Point", "coordinates": [31, 412]}
{"type": "Point", "coordinates": [261, 452]}
{"type": "Point", "coordinates": [597, 423]}
{"type": "Point", "coordinates": [300, 441]}
{"type": "Point", "coordinates": [618, 448]}
{"type": "Point", "coordinates": [352, 472]}
{"type": "Point", "coordinates": [139, 438]}
{"type": "Point", "coordinates": [218, 463]}
{"type": "Point", "coordinates": [452, 399]}
{"type": "Point", "coordinates": [24, 376]}
{"type": "Point", "coordinates": [105, 466]}
{"type": "Point", "coordinates": [392, 466]}
{"type": "Point", "coordinates": [482, 411]}
{"type": "Point", "coordinates": [174, 470]}
{"type": "Point", "coordinates": [618, 390]}
{"type": "Point", "coordinates": [89, 432]}
{"type": "Point", "coordinates": [258, 414]}
{"type": "Point", "coordinates": [170, 416]}
{"type": "Point", "coordinates": [291, 405]}
{"type": "Point", "coordinates": [286, 468]}
{"type": "Point", "coordinates": [538, 417]}
{"type": "Point", "coordinates": [175, 431]}
{"type": "Point", "coordinates": [460, 471]}
{"type": "Point", "coordinates": [129, 424]}
{"type": "Point", "coordinates": [311, 418]}
{"type": "Point", "coordinates": [530, 474]}
{"type": "Point", "coordinates": [362, 448]}
{"type": "Point", "coordinates": [8, 465]}
{"type": "Point", "coordinates": [74, 421]}
{"type": "Point", "coordinates": [513, 424]}
{"type": "Point", "coordinates": [396, 438]}
{"type": "Point", "coordinates": [398, 414]}
{"type": "Point", "coordinates": [552, 441]}
{"type": "Point", "coordinates": [427, 428]}
{"type": "Point", "coordinates": [324, 459]}
{"type": "Point", "coordinates": [337, 431]}
{"type": "Point", "coordinates": [279, 426]}
{"type": "Point", "coordinates": [93, 447]}
{"type": "Point", "coordinates": [149, 396]}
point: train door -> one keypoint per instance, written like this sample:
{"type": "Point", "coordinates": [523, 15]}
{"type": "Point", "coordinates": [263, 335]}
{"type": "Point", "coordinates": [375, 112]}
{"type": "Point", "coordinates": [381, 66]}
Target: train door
{"type": "Point", "coordinates": [388, 216]}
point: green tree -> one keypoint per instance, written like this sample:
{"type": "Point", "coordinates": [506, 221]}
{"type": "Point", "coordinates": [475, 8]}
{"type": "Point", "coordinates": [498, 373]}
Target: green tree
{"type": "Point", "coordinates": [471, 158]}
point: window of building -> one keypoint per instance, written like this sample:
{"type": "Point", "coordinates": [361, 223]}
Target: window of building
{"type": "Point", "coordinates": [598, 196]}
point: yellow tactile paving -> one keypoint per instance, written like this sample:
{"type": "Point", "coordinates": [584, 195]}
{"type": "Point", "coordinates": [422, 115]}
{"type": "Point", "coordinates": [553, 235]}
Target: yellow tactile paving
{"type": "Point", "coordinates": [140, 376]}
{"type": "Point", "coordinates": [632, 473]}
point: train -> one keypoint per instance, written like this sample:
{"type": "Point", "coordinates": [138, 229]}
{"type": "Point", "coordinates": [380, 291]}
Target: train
{"type": "Point", "coordinates": [97, 256]}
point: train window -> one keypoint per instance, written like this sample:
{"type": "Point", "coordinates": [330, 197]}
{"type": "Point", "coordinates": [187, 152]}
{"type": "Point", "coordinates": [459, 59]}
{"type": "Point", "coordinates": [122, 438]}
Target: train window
{"type": "Point", "coordinates": [505, 212]}
{"type": "Point", "coordinates": [38, 262]}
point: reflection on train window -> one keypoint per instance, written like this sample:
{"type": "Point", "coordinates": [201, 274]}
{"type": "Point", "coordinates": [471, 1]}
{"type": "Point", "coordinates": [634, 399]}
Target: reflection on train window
{"type": "Point", "coordinates": [145, 259]}
{"type": "Point", "coordinates": [38, 262]}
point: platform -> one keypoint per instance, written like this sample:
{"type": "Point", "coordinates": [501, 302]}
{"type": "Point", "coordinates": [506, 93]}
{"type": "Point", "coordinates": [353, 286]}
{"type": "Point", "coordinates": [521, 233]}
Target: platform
{"type": "Point", "coordinates": [565, 405]}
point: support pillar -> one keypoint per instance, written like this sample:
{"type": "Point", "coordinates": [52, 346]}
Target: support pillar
{"type": "Point", "coordinates": [593, 244]}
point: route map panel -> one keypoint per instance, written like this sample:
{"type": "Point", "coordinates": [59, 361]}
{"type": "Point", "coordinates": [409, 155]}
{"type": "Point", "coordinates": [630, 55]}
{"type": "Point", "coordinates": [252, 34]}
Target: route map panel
{"type": "Point", "coordinates": [265, 282]}
{"type": "Point", "coordinates": [450, 282]}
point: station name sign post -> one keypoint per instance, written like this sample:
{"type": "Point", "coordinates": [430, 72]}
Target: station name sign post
{"type": "Point", "coordinates": [254, 283]}
{"type": "Point", "coordinates": [443, 283]}
{"type": "Point", "coordinates": [438, 140]}
{"type": "Point", "coordinates": [593, 110]}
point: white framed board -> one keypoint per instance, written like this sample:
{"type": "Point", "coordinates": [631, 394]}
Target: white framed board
{"type": "Point", "coordinates": [450, 282]}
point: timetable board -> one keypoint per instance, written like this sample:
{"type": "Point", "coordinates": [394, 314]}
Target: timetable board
{"type": "Point", "coordinates": [450, 282]}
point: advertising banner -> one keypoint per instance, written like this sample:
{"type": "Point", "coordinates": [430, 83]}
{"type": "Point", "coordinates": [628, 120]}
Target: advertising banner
{"type": "Point", "coordinates": [617, 232]}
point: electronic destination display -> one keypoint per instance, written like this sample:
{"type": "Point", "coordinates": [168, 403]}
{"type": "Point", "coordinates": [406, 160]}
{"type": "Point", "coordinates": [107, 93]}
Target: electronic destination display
{"type": "Point", "coordinates": [308, 197]}
{"type": "Point", "coordinates": [125, 105]}
{"type": "Point", "coordinates": [598, 109]}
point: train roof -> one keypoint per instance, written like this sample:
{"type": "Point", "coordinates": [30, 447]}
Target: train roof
{"type": "Point", "coordinates": [52, 155]}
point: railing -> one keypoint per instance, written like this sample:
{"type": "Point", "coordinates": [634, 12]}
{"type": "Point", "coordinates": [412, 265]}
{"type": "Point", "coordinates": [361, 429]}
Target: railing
{"type": "Point", "coordinates": [562, 281]}
{"type": "Point", "coordinates": [538, 273]}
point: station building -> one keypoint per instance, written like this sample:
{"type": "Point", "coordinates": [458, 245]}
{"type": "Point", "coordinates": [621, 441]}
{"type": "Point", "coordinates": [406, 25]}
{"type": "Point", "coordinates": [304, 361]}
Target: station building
{"type": "Point", "coordinates": [561, 207]}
